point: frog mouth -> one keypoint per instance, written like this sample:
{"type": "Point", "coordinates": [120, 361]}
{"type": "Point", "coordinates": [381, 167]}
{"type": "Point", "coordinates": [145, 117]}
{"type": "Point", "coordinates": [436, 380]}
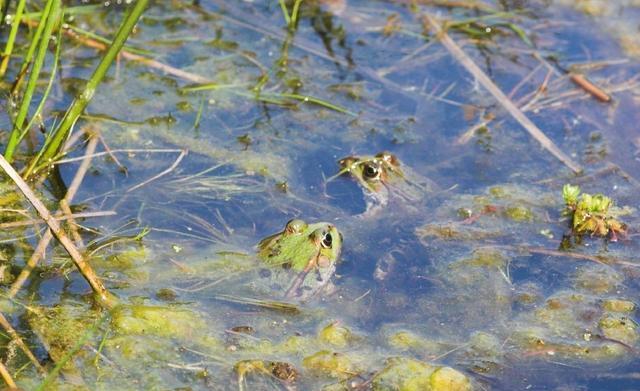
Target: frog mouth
{"type": "Point", "coordinates": [318, 259]}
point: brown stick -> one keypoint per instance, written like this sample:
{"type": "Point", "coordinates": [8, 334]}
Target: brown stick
{"type": "Point", "coordinates": [16, 338]}
{"type": "Point", "coordinates": [35, 257]}
{"type": "Point", "coordinates": [85, 269]}
{"type": "Point", "coordinates": [39, 252]}
{"type": "Point", "coordinates": [83, 215]}
{"type": "Point", "coordinates": [6, 376]}
{"type": "Point", "coordinates": [73, 227]}
{"type": "Point", "coordinates": [591, 88]}
{"type": "Point", "coordinates": [488, 84]}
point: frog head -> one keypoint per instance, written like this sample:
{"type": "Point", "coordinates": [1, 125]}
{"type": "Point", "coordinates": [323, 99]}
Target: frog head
{"type": "Point", "coordinates": [381, 178]}
{"type": "Point", "coordinates": [309, 250]}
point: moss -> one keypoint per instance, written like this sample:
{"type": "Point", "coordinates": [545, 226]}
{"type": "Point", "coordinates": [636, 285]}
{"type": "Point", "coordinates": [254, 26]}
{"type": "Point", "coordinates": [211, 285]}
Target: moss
{"type": "Point", "coordinates": [519, 213]}
{"type": "Point", "coordinates": [405, 374]}
{"type": "Point", "coordinates": [448, 379]}
{"type": "Point", "coordinates": [335, 335]}
{"type": "Point", "coordinates": [598, 279]}
{"type": "Point", "coordinates": [335, 365]}
{"type": "Point", "coordinates": [157, 320]}
{"type": "Point", "coordinates": [619, 328]}
{"type": "Point", "coordinates": [617, 305]}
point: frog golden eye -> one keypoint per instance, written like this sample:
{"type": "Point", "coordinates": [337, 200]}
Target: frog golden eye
{"type": "Point", "coordinates": [371, 171]}
{"type": "Point", "coordinates": [327, 240]}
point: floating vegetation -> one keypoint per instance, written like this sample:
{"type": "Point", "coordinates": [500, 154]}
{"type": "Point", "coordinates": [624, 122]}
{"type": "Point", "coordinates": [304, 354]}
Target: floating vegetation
{"type": "Point", "coordinates": [148, 150]}
{"type": "Point", "coordinates": [592, 215]}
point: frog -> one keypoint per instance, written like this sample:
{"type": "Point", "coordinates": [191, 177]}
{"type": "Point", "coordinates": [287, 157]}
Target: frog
{"type": "Point", "coordinates": [310, 251]}
{"type": "Point", "coordinates": [294, 264]}
{"type": "Point", "coordinates": [394, 195]}
{"type": "Point", "coordinates": [384, 180]}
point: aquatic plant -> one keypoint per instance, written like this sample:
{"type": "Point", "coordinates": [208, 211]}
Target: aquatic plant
{"type": "Point", "coordinates": [591, 214]}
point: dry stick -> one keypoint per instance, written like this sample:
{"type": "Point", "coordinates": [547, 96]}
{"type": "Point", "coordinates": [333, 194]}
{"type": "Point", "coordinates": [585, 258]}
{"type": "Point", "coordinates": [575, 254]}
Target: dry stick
{"type": "Point", "coordinates": [183, 153]}
{"type": "Point", "coordinates": [486, 82]}
{"type": "Point", "coordinates": [73, 226]}
{"type": "Point", "coordinates": [113, 151]}
{"type": "Point", "coordinates": [16, 338]}
{"type": "Point", "coordinates": [85, 269]}
{"type": "Point", "coordinates": [113, 157]}
{"type": "Point", "coordinates": [83, 215]}
{"type": "Point", "coordinates": [591, 88]}
{"type": "Point", "coordinates": [6, 376]}
{"type": "Point", "coordinates": [38, 253]}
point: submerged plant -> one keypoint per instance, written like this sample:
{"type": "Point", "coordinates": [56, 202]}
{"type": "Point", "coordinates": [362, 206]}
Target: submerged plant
{"type": "Point", "coordinates": [591, 214]}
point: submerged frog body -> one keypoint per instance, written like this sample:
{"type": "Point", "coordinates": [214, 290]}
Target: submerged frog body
{"type": "Point", "coordinates": [296, 263]}
{"type": "Point", "coordinates": [310, 251]}
{"type": "Point", "coordinates": [383, 179]}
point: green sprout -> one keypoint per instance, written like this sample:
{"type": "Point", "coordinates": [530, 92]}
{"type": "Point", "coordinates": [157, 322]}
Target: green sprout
{"type": "Point", "coordinates": [591, 214]}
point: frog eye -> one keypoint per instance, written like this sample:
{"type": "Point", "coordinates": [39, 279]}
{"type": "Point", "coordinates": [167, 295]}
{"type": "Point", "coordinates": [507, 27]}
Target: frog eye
{"type": "Point", "coordinates": [295, 226]}
{"type": "Point", "coordinates": [371, 171]}
{"type": "Point", "coordinates": [327, 240]}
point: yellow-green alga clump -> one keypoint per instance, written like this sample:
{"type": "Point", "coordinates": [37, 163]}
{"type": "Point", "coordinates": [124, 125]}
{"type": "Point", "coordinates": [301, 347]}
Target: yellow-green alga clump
{"type": "Point", "coordinates": [406, 374]}
{"type": "Point", "coordinates": [618, 305]}
{"type": "Point", "coordinates": [619, 328]}
{"type": "Point", "coordinates": [332, 364]}
{"type": "Point", "coordinates": [159, 321]}
{"type": "Point", "coordinates": [336, 335]}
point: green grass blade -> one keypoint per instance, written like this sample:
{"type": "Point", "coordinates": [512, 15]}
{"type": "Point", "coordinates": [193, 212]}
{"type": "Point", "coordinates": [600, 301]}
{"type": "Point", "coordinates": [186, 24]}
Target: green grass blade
{"type": "Point", "coordinates": [316, 101]}
{"type": "Point", "coordinates": [35, 40]}
{"type": "Point", "coordinates": [60, 134]}
{"type": "Point", "coordinates": [294, 14]}
{"type": "Point", "coordinates": [8, 49]}
{"type": "Point", "coordinates": [16, 133]}
{"type": "Point", "coordinates": [285, 12]}
{"type": "Point", "coordinates": [45, 95]}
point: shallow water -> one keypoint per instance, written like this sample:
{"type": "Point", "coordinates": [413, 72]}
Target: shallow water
{"type": "Point", "coordinates": [470, 276]}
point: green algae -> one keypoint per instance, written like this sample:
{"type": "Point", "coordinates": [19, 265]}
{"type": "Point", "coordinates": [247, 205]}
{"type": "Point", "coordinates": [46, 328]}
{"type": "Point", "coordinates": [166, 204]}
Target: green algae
{"type": "Point", "coordinates": [619, 328]}
{"type": "Point", "coordinates": [336, 335]}
{"type": "Point", "coordinates": [618, 305]}
{"type": "Point", "coordinates": [160, 321]}
{"type": "Point", "coordinates": [331, 364]}
{"type": "Point", "coordinates": [405, 374]}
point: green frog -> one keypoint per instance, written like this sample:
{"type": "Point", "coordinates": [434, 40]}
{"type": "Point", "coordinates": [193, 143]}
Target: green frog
{"type": "Point", "coordinates": [383, 179]}
{"type": "Point", "coordinates": [296, 263]}
{"type": "Point", "coordinates": [310, 251]}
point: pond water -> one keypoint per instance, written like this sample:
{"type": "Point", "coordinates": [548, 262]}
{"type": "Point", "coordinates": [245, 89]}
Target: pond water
{"type": "Point", "coordinates": [462, 276]}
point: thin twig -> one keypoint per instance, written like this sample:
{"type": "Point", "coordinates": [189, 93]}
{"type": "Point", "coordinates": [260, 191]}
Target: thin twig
{"type": "Point", "coordinates": [183, 153]}
{"type": "Point", "coordinates": [85, 269]}
{"type": "Point", "coordinates": [112, 155]}
{"type": "Point", "coordinates": [35, 257]}
{"type": "Point", "coordinates": [82, 215]}
{"type": "Point", "coordinates": [16, 338]}
{"type": "Point", "coordinates": [73, 226]}
{"type": "Point", "coordinates": [6, 376]}
{"type": "Point", "coordinates": [591, 88]}
{"type": "Point", "coordinates": [488, 84]}
{"type": "Point", "coordinates": [113, 151]}
{"type": "Point", "coordinates": [39, 252]}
